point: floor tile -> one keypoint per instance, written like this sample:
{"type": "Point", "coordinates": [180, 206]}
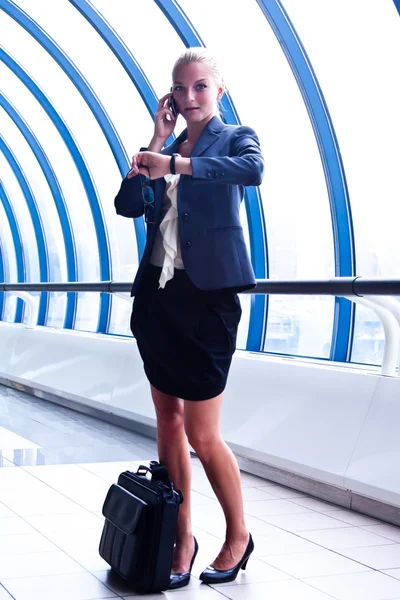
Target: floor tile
{"type": "Point", "coordinates": [114, 582]}
{"type": "Point", "coordinates": [5, 463]}
{"type": "Point", "coordinates": [315, 504]}
{"type": "Point", "coordinates": [75, 484]}
{"type": "Point", "coordinates": [354, 518]}
{"type": "Point", "coordinates": [9, 439]}
{"type": "Point", "coordinates": [120, 587]}
{"type": "Point", "coordinates": [5, 511]}
{"type": "Point", "coordinates": [257, 571]}
{"type": "Point", "coordinates": [280, 590]}
{"type": "Point", "coordinates": [200, 534]}
{"type": "Point", "coordinates": [82, 545]}
{"type": "Point", "coordinates": [251, 494]}
{"type": "Point", "coordinates": [198, 499]}
{"type": "Point", "coordinates": [315, 564]}
{"type": "Point", "coordinates": [358, 586]}
{"type": "Point", "coordinates": [11, 525]}
{"type": "Point", "coordinates": [346, 537]}
{"type": "Point", "coordinates": [281, 492]}
{"type": "Point", "coordinates": [258, 526]}
{"type": "Point", "coordinates": [263, 508]}
{"type": "Point", "coordinates": [392, 573]}
{"type": "Point", "coordinates": [4, 595]}
{"type": "Point", "coordinates": [282, 543]}
{"type": "Point", "coordinates": [43, 501]}
{"type": "Point", "coordinates": [203, 592]}
{"type": "Point", "coordinates": [387, 531]}
{"type": "Point", "coordinates": [25, 543]}
{"type": "Point", "coordinates": [75, 586]}
{"type": "Point", "coordinates": [12, 478]}
{"type": "Point", "coordinates": [377, 557]}
{"type": "Point", "coordinates": [304, 522]}
{"type": "Point", "coordinates": [79, 454]}
{"type": "Point", "coordinates": [109, 471]}
{"type": "Point", "coordinates": [32, 565]}
{"type": "Point", "coordinates": [65, 522]}
{"type": "Point", "coordinates": [211, 520]}
{"type": "Point", "coordinates": [250, 480]}
{"type": "Point", "coordinates": [60, 491]}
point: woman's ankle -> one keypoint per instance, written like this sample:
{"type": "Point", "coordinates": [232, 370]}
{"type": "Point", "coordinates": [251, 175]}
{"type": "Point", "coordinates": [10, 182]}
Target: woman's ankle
{"type": "Point", "coordinates": [185, 537]}
{"type": "Point", "coordinates": [237, 535]}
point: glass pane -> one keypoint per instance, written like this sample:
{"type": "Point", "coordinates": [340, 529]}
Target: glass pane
{"type": "Point", "coordinates": [300, 325]}
{"type": "Point", "coordinates": [294, 185]}
{"type": "Point", "coordinates": [126, 110]}
{"type": "Point", "coordinates": [18, 203]}
{"type": "Point", "coordinates": [49, 78]}
{"type": "Point", "coordinates": [10, 264]}
{"type": "Point", "coordinates": [367, 123]}
{"type": "Point", "coordinates": [121, 315]}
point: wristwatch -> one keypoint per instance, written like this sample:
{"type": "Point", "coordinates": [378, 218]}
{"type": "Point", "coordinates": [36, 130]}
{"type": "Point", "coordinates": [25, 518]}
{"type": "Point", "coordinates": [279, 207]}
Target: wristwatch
{"type": "Point", "coordinates": [172, 163]}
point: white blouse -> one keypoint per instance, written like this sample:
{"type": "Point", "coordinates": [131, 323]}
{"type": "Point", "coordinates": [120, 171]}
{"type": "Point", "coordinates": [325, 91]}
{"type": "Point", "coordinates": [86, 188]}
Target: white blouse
{"type": "Point", "coordinates": [167, 249]}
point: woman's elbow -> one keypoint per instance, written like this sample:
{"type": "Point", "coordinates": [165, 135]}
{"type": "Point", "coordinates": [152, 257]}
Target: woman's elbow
{"type": "Point", "coordinates": [258, 173]}
{"type": "Point", "coordinates": [130, 212]}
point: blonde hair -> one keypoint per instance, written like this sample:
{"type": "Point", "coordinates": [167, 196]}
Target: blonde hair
{"type": "Point", "coordinates": [202, 55]}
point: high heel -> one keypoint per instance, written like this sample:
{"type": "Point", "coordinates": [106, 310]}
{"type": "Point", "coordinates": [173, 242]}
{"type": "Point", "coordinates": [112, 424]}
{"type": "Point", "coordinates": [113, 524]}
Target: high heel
{"type": "Point", "coordinates": [179, 580]}
{"type": "Point", "coordinates": [212, 575]}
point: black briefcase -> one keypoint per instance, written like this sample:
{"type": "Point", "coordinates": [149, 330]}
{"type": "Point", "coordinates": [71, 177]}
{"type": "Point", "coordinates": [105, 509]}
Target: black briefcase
{"type": "Point", "coordinates": [141, 513]}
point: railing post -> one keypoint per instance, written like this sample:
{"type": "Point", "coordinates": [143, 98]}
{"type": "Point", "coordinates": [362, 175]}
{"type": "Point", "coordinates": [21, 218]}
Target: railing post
{"type": "Point", "coordinates": [392, 334]}
{"type": "Point", "coordinates": [32, 304]}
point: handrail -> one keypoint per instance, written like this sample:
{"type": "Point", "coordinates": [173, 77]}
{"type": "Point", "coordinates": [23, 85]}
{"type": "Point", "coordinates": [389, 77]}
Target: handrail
{"type": "Point", "coordinates": [336, 286]}
{"type": "Point", "coordinates": [360, 290]}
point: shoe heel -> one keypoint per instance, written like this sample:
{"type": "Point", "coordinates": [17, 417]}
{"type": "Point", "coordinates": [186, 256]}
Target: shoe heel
{"type": "Point", "coordinates": [244, 565]}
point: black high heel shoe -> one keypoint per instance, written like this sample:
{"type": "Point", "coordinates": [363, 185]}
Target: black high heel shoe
{"type": "Point", "coordinates": [211, 575]}
{"type": "Point", "coordinates": [178, 580]}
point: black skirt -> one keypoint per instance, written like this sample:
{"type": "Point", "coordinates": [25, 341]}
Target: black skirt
{"type": "Point", "coordinates": [186, 336]}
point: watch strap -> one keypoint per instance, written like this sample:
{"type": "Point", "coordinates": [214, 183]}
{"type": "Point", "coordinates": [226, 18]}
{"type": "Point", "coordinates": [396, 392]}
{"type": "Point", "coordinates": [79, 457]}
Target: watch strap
{"type": "Point", "coordinates": [172, 163]}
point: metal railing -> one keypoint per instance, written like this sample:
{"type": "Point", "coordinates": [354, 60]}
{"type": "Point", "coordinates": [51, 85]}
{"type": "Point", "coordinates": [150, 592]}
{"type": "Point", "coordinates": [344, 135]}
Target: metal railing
{"type": "Point", "coordinates": [376, 294]}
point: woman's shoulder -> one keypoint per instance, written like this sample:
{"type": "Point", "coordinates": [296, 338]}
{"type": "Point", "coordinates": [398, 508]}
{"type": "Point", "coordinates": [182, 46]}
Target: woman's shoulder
{"type": "Point", "coordinates": [242, 130]}
{"type": "Point", "coordinates": [238, 131]}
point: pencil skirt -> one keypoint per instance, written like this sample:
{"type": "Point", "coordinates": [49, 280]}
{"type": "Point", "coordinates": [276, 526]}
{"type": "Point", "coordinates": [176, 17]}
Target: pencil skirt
{"type": "Point", "coordinates": [186, 336]}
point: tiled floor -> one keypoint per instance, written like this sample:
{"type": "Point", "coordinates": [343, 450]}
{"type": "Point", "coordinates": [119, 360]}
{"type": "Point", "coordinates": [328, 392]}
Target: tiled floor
{"type": "Point", "coordinates": [57, 467]}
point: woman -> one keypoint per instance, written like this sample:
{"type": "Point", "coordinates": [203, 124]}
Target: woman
{"type": "Point", "coordinates": [186, 310]}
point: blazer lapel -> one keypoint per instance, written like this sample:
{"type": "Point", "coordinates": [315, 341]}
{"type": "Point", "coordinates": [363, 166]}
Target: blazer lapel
{"type": "Point", "coordinates": [175, 144]}
{"type": "Point", "coordinates": [208, 136]}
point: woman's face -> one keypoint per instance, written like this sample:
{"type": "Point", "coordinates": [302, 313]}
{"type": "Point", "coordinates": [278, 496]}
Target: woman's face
{"type": "Point", "coordinates": [195, 91]}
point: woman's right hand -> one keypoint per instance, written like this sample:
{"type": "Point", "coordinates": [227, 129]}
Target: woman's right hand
{"type": "Point", "coordinates": [164, 120]}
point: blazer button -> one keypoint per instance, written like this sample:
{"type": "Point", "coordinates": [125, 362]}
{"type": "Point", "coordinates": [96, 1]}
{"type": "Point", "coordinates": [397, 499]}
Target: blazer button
{"type": "Point", "coordinates": [185, 216]}
{"type": "Point", "coordinates": [188, 244]}
{"type": "Point", "coordinates": [209, 174]}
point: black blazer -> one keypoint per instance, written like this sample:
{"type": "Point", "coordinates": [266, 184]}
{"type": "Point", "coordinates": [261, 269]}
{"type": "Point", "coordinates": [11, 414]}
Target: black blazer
{"type": "Point", "coordinates": [225, 159]}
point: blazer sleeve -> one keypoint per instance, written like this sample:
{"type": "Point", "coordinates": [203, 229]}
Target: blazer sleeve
{"type": "Point", "coordinates": [244, 166]}
{"type": "Point", "coordinates": [129, 202]}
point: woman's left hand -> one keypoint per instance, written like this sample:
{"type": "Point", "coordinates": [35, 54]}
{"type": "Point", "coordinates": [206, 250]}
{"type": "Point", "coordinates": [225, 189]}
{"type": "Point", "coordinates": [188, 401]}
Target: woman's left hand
{"type": "Point", "coordinates": [152, 164]}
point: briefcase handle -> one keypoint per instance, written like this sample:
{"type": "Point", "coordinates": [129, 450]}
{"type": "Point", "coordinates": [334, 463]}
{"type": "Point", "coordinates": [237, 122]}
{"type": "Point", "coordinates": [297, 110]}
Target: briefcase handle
{"type": "Point", "coordinates": [159, 472]}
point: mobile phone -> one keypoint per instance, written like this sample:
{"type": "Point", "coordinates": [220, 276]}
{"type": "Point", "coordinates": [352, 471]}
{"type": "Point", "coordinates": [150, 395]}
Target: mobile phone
{"type": "Point", "coordinates": [172, 105]}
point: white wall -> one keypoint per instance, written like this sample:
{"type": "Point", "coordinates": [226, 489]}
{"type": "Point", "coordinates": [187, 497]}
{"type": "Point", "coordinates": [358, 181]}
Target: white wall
{"type": "Point", "coordinates": [336, 425]}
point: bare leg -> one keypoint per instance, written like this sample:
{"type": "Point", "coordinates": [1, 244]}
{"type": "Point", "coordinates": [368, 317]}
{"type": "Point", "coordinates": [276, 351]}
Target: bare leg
{"type": "Point", "coordinates": [173, 452]}
{"type": "Point", "coordinates": [203, 430]}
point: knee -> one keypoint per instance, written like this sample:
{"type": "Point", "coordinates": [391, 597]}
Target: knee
{"type": "Point", "coordinates": [170, 422]}
{"type": "Point", "coordinates": [204, 443]}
